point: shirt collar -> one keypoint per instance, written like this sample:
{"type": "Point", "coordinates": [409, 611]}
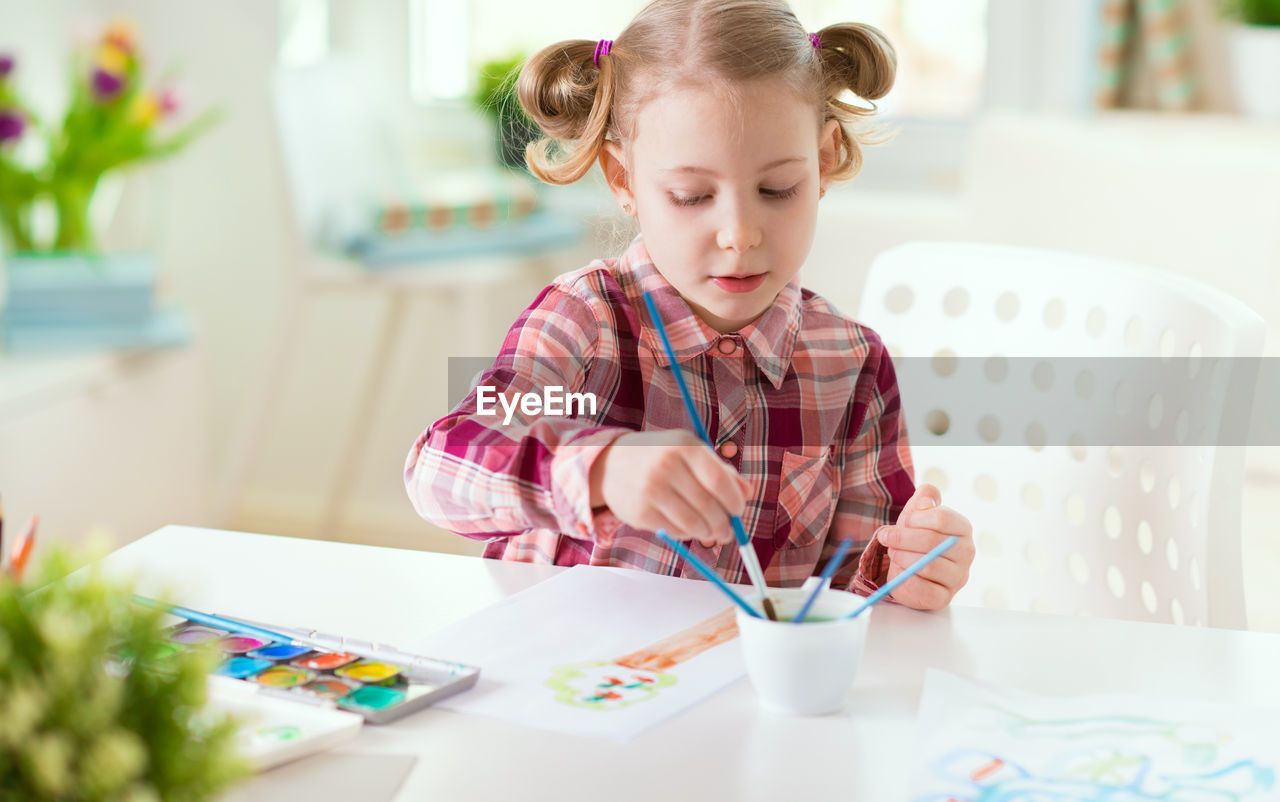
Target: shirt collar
{"type": "Point", "coordinates": [770, 339]}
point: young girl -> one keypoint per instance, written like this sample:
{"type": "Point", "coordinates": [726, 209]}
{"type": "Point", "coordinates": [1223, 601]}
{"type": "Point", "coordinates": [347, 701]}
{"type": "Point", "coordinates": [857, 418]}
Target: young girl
{"type": "Point", "coordinates": [718, 126]}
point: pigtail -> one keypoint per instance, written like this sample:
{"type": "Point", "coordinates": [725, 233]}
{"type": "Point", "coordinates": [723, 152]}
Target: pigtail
{"type": "Point", "coordinates": [570, 98]}
{"type": "Point", "coordinates": [857, 58]}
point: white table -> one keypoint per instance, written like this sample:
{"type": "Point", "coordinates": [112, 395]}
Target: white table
{"type": "Point", "coordinates": [725, 748]}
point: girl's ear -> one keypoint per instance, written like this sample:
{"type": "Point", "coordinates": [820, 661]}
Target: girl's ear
{"type": "Point", "coordinates": [615, 172]}
{"type": "Point", "coordinates": [828, 150]}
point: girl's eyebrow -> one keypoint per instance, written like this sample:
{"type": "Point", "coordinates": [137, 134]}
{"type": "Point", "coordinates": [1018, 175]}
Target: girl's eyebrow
{"type": "Point", "coordinates": [707, 171]}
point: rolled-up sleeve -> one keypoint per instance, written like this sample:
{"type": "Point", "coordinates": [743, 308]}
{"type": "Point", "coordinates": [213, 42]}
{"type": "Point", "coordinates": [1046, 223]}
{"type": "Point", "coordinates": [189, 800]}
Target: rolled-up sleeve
{"type": "Point", "coordinates": [484, 477]}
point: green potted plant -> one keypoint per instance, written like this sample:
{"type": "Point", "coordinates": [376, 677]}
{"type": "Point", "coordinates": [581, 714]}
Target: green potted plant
{"type": "Point", "coordinates": [93, 704]}
{"type": "Point", "coordinates": [113, 121]}
{"type": "Point", "coordinates": [495, 97]}
{"type": "Point", "coordinates": [1254, 54]}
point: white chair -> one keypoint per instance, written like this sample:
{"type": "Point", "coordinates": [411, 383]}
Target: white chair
{"type": "Point", "coordinates": [1086, 415]}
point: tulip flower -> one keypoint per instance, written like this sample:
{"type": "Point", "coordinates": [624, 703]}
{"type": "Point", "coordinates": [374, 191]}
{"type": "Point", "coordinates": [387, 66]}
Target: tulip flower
{"type": "Point", "coordinates": [120, 35]}
{"type": "Point", "coordinates": [106, 85]}
{"type": "Point", "coordinates": [168, 101]}
{"type": "Point", "coordinates": [144, 109]}
{"type": "Point", "coordinates": [112, 59]}
{"type": "Point", "coordinates": [11, 126]}
{"type": "Point", "coordinates": [112, 122]}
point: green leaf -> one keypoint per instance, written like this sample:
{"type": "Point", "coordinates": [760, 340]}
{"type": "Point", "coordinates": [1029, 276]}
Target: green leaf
{"type": "Point", "coordinates": [72, 729]}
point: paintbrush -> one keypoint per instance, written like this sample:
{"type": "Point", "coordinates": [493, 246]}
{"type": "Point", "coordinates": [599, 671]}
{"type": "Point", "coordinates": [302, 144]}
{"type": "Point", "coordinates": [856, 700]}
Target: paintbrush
{"type": "Point", "coordinates": [416, 663]}
{"type": "Point", "coordinates": [748, 552]}
{"type": "Point", "coordinates": [825, 577]}
{"type": "Point", "coordinates": [706, 571]}
{"type": "Point", "coordinates": [21, 550]}
{"type": "Point", "coordinates": [892, 584]}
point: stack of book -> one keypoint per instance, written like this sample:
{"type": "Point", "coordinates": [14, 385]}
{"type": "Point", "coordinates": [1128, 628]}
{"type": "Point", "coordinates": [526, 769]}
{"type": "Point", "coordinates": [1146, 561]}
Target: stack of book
{"type": "Point", "coordinates": [65, 302]}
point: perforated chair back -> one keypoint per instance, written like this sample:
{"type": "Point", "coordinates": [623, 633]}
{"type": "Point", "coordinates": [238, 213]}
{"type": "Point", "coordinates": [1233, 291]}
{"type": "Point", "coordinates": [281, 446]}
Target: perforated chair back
{"type": "Point", "coordinates": [1085, 415]}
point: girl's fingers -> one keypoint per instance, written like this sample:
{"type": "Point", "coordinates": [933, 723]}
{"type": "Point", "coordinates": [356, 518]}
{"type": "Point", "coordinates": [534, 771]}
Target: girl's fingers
{"type": "Point", "coordinates": [940, 519]}
{"type": "Point", "coordinates": [694, 513]}
{"type": "Point", "coordinates": [919, 542]}
{"type": "Point", "coordinates": [922, 594]}
{"type": "Point", "coordinates": [720, 481]}
{"type": "Point", "coordinates": [678, 516]}
{"type": "Point", "coordinates": [943, 572]}
{"type": "Point", "coordinates": [925, 497]}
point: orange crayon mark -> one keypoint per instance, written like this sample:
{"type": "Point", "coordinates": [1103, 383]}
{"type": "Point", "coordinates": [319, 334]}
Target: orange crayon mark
{"type": "Point", "coordinates": [987, 770]}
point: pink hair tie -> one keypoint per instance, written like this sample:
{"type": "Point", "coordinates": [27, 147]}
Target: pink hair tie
{"type": "Point", "coordinates": [602, 49]}
{"type": "Point", "coordinates": [816, 41]}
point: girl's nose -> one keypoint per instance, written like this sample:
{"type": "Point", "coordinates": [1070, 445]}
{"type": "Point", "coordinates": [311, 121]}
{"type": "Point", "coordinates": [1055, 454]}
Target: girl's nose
{"type": "Point", "coordinates": [738, 230]}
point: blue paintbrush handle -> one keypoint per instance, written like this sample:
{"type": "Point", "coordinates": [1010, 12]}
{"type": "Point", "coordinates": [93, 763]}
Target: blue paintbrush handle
{"type": "Point", "coordinates": [215, 621]}
{"type": "Point", "coordinates": [675, 369]}
{"type": "Point", "coordinates": [706, 571]}
{"type": "Point", "coordinates": [749, 558]}
{"type": "Point", "coordinates": [889, 586]}
{"type": "Point", "coordinates": [825, 577]}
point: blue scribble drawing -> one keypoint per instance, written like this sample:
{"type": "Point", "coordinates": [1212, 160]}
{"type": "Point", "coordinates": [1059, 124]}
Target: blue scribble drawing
{"type": "Point", "coordinates": [1103, 759]}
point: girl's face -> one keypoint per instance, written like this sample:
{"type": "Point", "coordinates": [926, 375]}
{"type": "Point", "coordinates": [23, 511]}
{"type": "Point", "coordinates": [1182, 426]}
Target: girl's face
{"type": "Point", "coordinates": [726, 194]}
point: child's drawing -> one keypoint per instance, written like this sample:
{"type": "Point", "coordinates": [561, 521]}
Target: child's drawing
{"type": "Point", "coordinates": [637, 677]}
{"type": "Point", "coordinates": [1113, 775]}
{"type": "Point", "coordinates": [985, 746]}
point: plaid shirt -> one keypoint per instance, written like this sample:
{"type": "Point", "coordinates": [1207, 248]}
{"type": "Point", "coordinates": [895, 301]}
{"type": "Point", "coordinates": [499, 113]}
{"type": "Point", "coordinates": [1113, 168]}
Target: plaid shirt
{"type": "Point", "coordinates": [803, 402]}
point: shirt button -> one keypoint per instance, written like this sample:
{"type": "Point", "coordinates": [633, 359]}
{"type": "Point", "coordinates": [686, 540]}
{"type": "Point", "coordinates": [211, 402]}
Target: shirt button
{"type": "Point", "coordinates": [728, 449]}
{"type": "Point", "coordinates": [727, 346]}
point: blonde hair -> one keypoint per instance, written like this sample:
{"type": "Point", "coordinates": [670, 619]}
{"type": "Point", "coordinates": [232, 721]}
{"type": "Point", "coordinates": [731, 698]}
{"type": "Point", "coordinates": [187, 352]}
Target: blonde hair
{"type": "Point", "coordinates": [579, 105]}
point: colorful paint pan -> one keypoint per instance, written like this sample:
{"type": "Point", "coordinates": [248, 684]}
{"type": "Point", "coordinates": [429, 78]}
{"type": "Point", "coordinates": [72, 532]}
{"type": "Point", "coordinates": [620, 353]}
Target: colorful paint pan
{"type": "Point", "coordinates": [237, 644]}
{"type": "Point", "coordinates": [284, 676]}
{"type": "Point", "coordinates": [162, 650]}
{"type": "Point", "coordinates": [241, 667]}
{"type": "Point", "coordinates": [325, 688]}
{"type": "Point", "coordinates": [373, 697]}
{"type": "Point", "coordinates": [326, 661]}
{"type": "Point", "coordinates": [370, 671]}
{"type": "Point", "coordinates": [196, 634]}
{"type": "Point", "coordinates": [279, 651]}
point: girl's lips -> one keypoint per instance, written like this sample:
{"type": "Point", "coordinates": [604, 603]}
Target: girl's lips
{"type": "Point", "coordinates": [739, 283]}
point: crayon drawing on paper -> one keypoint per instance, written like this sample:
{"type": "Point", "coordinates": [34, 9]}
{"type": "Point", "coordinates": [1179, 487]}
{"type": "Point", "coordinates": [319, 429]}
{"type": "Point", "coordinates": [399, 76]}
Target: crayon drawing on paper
{"type": "Point", "coordinates": [982, 745]}
{"type": "Point", "coordinates": [639, 676]}
{"type": "Point", "coordinates": [596, 651]}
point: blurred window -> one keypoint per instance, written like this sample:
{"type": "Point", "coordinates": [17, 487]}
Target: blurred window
{"type": "Point", "coordinates": [304, 32]}
{"type": "Point", "coordinates": [941, 44]}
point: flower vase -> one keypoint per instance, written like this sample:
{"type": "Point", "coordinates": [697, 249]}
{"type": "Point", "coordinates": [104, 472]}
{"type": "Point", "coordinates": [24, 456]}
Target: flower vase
{"type": "Point", "coordinates": [75, 234]}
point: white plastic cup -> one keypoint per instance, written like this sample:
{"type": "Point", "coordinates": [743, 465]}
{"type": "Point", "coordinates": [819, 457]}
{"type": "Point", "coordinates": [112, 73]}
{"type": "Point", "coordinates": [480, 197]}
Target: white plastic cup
{"type": "Point", "coordinates": [804, 669]}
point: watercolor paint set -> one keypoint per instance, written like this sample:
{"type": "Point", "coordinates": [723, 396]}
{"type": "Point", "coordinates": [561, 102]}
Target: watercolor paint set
{"type": "Point", "coordinates": [272, 730]}
{"type": "Point", "coordinates": [378, 682]}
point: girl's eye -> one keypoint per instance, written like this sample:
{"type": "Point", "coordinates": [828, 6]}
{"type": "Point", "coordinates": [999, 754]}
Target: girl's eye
{"type": "Point", "coordinates": [781, 194]}
{"type": "Point", "coordinates": [687, 200]}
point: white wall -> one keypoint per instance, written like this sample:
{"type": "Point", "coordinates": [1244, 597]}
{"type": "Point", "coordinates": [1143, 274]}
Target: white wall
{"type": "Point", "coordinates": [220, 221]}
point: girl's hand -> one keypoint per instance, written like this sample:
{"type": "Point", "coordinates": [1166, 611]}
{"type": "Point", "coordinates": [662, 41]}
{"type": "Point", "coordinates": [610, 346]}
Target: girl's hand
{"type": "Point", "coordinates": [923, 524]}
{"type": "Point", "coordinates": [669, 480]}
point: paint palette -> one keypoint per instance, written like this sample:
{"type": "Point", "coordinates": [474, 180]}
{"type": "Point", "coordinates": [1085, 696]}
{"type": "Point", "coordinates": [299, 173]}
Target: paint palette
{"type": "Point", "coordinates": [377, 683]}
{"type": "Point", "coordinates": [274, 731]}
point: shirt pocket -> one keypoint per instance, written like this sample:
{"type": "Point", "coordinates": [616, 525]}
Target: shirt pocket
{"type": "Point", "coordinates": [806, 495]}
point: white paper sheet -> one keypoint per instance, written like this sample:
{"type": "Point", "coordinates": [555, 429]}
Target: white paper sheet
{"type": "Point", "coordinates": [976, 743]}
{"type": "Point", "coordinates": [547, 654]}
